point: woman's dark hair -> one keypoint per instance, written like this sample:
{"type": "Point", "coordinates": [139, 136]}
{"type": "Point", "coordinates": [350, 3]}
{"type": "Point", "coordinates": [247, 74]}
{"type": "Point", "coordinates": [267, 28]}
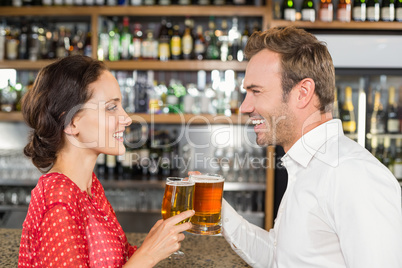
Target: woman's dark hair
{"type": "Point", "coordinates": [58, 89]}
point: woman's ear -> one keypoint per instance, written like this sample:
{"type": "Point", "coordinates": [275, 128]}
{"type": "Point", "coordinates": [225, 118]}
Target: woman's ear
{"type": "Point", "coordinates": [71, 129]}
{"type": "Point", "coordinates": [305, 93]}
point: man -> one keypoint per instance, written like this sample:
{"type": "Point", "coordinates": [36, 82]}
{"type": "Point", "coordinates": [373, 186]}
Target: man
{"type": "Point", "coordinates": [342, 207]}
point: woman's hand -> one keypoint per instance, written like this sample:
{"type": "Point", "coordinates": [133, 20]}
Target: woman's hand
{"type": "Point", "coordinates": [163, 239]}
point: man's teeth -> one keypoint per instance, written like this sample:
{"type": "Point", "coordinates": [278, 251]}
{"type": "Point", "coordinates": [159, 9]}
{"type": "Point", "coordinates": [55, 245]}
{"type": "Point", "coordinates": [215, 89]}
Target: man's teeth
{"type": "Point", "coordinates": [258, 122]}
{"type": "Point", "coordinates": [118, 135]}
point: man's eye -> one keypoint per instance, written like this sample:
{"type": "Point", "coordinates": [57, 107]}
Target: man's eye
{"type": "Point", "coordinates": [255, 91]}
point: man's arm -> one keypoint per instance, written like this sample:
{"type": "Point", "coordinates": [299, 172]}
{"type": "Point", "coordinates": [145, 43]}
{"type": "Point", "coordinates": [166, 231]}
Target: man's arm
{"type": "Point", "coordinates": [252, 243]}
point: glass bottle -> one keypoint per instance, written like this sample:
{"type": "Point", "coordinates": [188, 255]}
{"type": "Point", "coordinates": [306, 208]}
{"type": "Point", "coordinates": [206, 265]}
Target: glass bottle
{"type": "Point", "coordinates": [212, 52]}
{"type": "Point", "coordinates": [149, 47]}
{"type": "Point", "coordinates": [103, 43]}
{"type": "Point", "coordinates": [398, 159]}
{"type": "Point", "coordinates": [392, 113]}
{"type": "Point", "coordinates": [359, 10]}
{"type": "Point", "coordinates": [308, 10]}
{"type": "Point", "coordinates": [289, 10]}
{"type": "Point", "coordinates": [398, 10]}
{"type": "Point", "coordinates": [335, 110]}
{"type": "Point", "coordinates": [187, 40]}
{"type": "Point", "coordinates": [137, 41]}
{"type": "Point", "coordinates": [125, 41]}
{"type": "Point", "coordinates": [347, 113]}
{"type": "Point", "coordinates": [377, 125]}
{"type": "Point", "coordinates": [326, 11]}
{"type": "Point", "coordinates": [199, 44]}
{"type": "Point", "coordinates": [234, 39]}
{"type": "Point", "coordinates": [387, 10]}
{"type": "Point", "coordinates": [175, 43]}
{"type": "Point", "coordinates": [224, 42]}
{"type": "Point", "coordinates": [243, 42]}
{"type": "Point", "coordinates": [373, 10]}
{"type": "Point", "coordinates": [164, 46]}
{"type": "Point", "coordinates": [114, 43]}
{"type": "Point", "coordinates": [344, 11]}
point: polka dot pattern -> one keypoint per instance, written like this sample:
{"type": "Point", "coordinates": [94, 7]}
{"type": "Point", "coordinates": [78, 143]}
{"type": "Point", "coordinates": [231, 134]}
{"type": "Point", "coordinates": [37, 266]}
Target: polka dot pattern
{"type": "Point", "coordinates": [65, 227]}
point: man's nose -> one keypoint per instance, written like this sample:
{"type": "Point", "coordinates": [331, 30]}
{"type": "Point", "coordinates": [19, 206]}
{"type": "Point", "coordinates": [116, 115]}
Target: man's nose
{"type": "Point", "coordinates": [248, 104]}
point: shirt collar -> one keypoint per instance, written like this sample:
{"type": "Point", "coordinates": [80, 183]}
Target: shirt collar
{"type": "Point", "coordinates": [312, 143]}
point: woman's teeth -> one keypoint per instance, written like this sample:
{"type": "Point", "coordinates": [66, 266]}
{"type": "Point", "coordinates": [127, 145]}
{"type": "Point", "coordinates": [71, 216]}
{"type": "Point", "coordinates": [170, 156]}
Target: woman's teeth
{"type": "Point", "coordinates": [118, 135]}
{"type": "Point", "coordinates": [258, 122]}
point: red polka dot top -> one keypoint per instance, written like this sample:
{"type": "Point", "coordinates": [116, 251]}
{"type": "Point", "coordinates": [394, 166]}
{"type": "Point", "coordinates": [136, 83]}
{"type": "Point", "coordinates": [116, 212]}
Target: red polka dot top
{"type": "Point", "coordinates": [65, 227]}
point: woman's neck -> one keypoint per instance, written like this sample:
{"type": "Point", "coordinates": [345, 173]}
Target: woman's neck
{"type": "Point", "coordinates": [77, 166]}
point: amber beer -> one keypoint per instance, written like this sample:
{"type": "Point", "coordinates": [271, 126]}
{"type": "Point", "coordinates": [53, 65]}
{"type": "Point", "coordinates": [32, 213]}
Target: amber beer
{"type": "Point", "coordinates": [207, 204]}
{"type": "Point", "coordinates": [178, 197]}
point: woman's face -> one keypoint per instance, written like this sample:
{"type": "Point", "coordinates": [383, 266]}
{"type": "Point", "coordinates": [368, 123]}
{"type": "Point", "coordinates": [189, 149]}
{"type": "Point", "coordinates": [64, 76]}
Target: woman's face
{"type": "Point", "coordinates": [101, 121]}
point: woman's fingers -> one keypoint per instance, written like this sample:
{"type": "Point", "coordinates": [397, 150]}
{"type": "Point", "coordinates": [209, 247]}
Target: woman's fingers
{"type": "Point", "coordinates": [194, 173]}
{"type": "Point", "coordinates": [180, 217]}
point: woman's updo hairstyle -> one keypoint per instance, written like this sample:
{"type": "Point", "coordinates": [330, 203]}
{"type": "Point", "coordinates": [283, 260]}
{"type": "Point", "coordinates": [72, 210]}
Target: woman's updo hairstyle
{"type": "Point", "coordinates": [58, 89]}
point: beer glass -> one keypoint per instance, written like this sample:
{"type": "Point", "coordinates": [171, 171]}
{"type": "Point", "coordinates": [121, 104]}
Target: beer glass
{"type": "Point", "coordinates": [178, 198]}
{"type": "Point", "coordinates": [207, 204]}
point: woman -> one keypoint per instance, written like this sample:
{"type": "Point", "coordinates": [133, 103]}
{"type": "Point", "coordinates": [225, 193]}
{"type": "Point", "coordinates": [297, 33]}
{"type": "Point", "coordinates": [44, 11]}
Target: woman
{"type": "Point", "coordinates": [75, 112]}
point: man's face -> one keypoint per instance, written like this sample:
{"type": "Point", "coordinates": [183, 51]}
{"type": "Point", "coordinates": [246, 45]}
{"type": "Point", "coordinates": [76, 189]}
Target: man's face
{"type": "Point", "coordinates": [272, 118]}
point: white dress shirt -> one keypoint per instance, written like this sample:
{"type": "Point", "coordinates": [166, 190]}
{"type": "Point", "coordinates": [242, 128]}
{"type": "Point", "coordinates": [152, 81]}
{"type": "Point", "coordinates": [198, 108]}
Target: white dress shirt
{"type": "Point", "coordinates": [341, 208]}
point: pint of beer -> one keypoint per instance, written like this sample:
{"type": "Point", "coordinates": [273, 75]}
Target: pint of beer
{"type": "Point", "coordinates": [178, 197]}
{"type": "Point", "coordinates": [207, 204]}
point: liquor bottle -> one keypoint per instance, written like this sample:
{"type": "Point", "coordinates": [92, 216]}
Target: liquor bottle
{"type": "Point", "coordinates": [47, 2]}
{"type": "Point", "coordinates": [199, 44]}
{"type": "Point", "coordinates": [100, 168]}
{"type": "Point", "coordinates": [223, 42]}
{"type": "Point", "coordinates": [88, 44]}
{"type": "Point", "coordinates": [212, 52]}
{"type": "Point", "coordinates": [387, 158]}
{"type": "Point", "coordinates": [8, 97]}
{"type": "Point", "coordinates": [243, 42]}
{"type": "Point", "coordinates": [175, 43]}
{"type": "Point", "coordinates": [58, 2]}
{"type": "Point", "coordinates": [347, 113]}
{"type": "Point", "coordinates": [359, 10]}
{"type": "Point", "coordinates": [377, 125]}
{"type": "Point", "coordinates": [103, 44]}
{"type": "Point", "coordinates": [68, 2]}
{"type": "Point", "coordinates": [164, 2]}
{"type": "Point", "coordinates": [23, 47]}
{"type": "Point", "coordinates": [89, 2]}
{"type": "Point", "coordinates": [100, 2]}
{"type": "Point", "coordinates": [373, 10]}
{"type": "Point", "coordinates": [289, 10]}
{"type": "Point", "coordinates": [111, 166]}
{"type": "Point", "coordinates": [308, 10]}
{"type": "Point", "coordinates": [17, 3]}
{"type": "Point", "coordinates": [114, 42]}
{"type": "Point", "coordinates": [400, 110]}
{"type": "Point", "coordinates": [392, 113]}
{"type": "Point", "coordinates": [398, 10]}
{"type": "Point", "coordinates": [184, 2]}
{"type": "Point", "coordinates": [398, 159]}
{"type": "Point", "coordinates": [234, 39]}
{"type": "Point", "coordinates": [136, 2]}
{"type": "Point", "coordinates": [2, 41]}
{"type": "Point", "coordinates": [149, 47]}
{"type": "Point", "coordinates": [387, 10]}
{"type": "Point", "coordinates": [137, 41]}
{"type": "Point", "coordinates": [125, 41]}
{"type": "Point", "coordinates": [335, 110]}
{"type": "Point", "coordinates": [172, 100]}
{"type": "Point", "coordinates": [79, 2]}
{"type": "Point", "coordinates": [344, 11]}
{"type": "Point", "coordinates": [164, 40]}
{"type": "Point", "coordinates": [11, 44]}
{"type": "Point", "coordinates": [187, 40]}
{"type": "Point", "coordinates": [326, 11]}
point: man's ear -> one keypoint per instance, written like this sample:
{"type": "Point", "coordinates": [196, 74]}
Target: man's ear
{"type": "Point", "coordinates": [305, 92]}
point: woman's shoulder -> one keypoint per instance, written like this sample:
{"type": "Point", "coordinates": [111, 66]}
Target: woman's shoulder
{"type": "Point", "coordinates": [57, 188]}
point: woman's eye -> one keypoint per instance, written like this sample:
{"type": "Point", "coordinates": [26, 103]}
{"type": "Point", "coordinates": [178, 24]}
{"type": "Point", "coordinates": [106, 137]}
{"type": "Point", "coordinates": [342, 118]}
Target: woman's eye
{"type": "Point", "coordinates": [111, 108]}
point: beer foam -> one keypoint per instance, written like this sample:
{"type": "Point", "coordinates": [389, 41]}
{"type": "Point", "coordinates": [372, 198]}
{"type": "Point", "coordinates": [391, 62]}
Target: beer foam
{"type": "Point", "coordinates": [207, 179]}
{"type": "Point", "coordinates": [180, 183]}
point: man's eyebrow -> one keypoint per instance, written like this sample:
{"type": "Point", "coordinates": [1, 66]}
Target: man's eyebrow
{"type": "Point", "coordinates": [115, 99]}
{"type": "Point", "coordinates": [252, 86]}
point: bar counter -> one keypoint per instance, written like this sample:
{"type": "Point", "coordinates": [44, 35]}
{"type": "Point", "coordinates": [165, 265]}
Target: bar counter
{"type": "Point", "coordinates": [201, 251]}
